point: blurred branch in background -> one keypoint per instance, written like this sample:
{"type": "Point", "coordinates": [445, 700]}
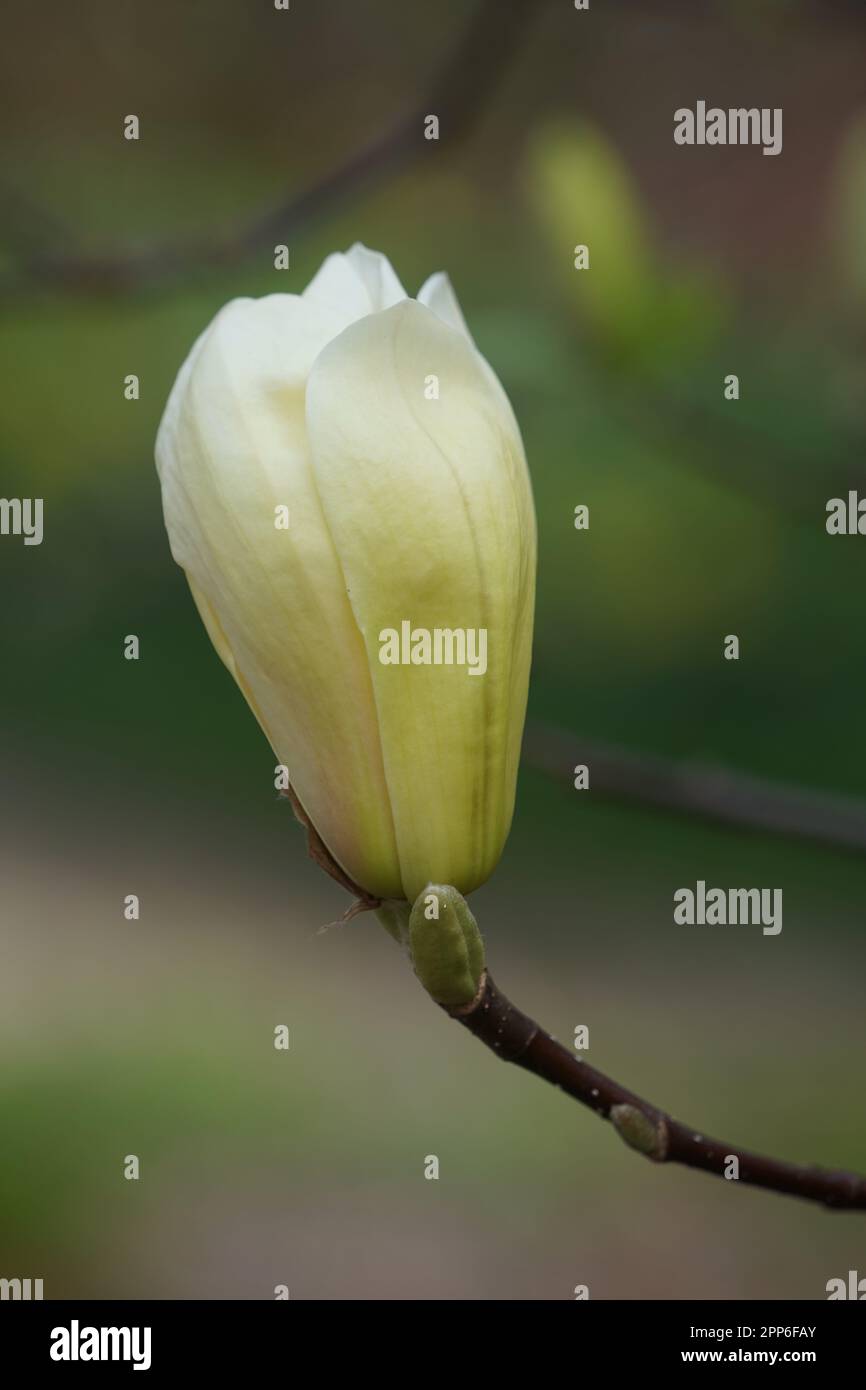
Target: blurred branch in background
{"type": "Point", "coordinates": [457, 95]}
{"type": "Point", "coordinates": [696, 789]}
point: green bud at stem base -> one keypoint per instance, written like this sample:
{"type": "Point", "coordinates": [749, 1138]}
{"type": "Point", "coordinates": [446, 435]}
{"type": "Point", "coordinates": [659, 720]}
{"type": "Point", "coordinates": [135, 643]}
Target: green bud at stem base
{"type": "Point", "coordinates": [445, 945]}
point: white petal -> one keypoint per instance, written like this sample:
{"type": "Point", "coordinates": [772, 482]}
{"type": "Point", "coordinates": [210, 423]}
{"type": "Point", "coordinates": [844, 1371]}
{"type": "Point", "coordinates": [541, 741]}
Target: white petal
{"type": "Point", "coordinates": [232, 447]}
{"type": "Point", "coordinates": [438, 294]}
{"type": "Point", "coordinates": [337, 285]}
{"type": "Point", "coordinates": [356, 283]}
{"type": "Point", "coordinates": [378, 276]}
{"type": "Point", "coordinates": [429, 506]}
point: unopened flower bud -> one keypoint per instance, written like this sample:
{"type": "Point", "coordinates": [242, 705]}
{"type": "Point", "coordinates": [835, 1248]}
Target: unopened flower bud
{"type": "Point", "coordinates": [345, 486]}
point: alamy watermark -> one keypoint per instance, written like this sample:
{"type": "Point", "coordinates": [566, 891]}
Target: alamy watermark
{"type": "Point", "coordinates": [438, 646]}
{"type": "Point", "coordinates": [22, 516]}
{"type": "Point", "coordinates": [20, 1290]}
{"type": "Point", "coordinates": [853, 1287]}
{"type": "Point", "coordinates": [702, 906]}
{"type": "Point", "coordinates": [77, 1343]}
{"type": "Point", "coordinates": [738, 125]}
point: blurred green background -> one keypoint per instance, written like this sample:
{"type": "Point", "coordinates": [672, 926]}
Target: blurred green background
{"type": "Point", "coordinates": [707, 517]}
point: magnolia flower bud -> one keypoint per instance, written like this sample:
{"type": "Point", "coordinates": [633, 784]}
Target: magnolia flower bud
{"type": "Point", "coordinates": [345, 486]}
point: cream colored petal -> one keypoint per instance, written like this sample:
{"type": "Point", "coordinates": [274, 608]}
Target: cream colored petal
{"type": "Point", "coordinates": [378, 276]}
{"type": "Point", "coordinates": [355, 283]}
{"type": "Point", "coordinates": [338, 286]}
{"type": "Point", "coordinates": [231, 448]}
{"type": "Point", "coordinates": [438, 294]}
{"type": "Point", "coordinates": [429, 505]}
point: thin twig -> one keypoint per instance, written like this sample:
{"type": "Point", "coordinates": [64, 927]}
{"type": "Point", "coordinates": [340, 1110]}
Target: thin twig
{"type": "Point", "coordinates": [456, 96]}
{"type": "Point", "coordinates": [516, 1038]}
{"type": "Point", "coordinates": [699, 789]}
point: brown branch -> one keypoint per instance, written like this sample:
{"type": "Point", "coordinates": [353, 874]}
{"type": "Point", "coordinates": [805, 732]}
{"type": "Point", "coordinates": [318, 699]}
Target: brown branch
{"type": "Point", "coordinates": [457, 96]}
{"type": "Point", "coordinates": [699, 789]}
{"type": "Point", "coordinates": [516, 1038]}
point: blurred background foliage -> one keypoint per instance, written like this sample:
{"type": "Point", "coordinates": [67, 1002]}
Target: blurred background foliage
{"type": "Point", "coordinates": [707, 517]}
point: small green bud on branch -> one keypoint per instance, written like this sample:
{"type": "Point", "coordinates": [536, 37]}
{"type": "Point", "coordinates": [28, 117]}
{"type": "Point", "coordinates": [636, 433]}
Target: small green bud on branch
{"type": "Point", "coordinates": [446, 947]}
{"type": "Point", "coordinates": [640, 1132]}
{"type": "Point", "coordinates": [515, 1037]}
